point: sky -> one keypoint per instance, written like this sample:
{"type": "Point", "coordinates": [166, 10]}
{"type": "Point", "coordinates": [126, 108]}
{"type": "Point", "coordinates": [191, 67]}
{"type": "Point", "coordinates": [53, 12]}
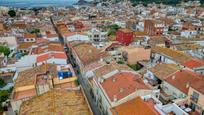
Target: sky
{"type": "Point", "coordinates": [30, 3]}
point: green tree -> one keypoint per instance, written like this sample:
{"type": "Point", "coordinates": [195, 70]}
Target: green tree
{"type": "Point", "coordinates": [2, 83]}
{"type": "Point", "coordinates": [3, 95]}
{"type": "Point", "coordinates": [5, 50]}
{"type": "Point", "coordinates": [12, 13]}
{"type": "Point", "coordinates": [135, 67]}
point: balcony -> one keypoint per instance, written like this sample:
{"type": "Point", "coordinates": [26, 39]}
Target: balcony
{"type": "Point", "coordinates": [194, 99]}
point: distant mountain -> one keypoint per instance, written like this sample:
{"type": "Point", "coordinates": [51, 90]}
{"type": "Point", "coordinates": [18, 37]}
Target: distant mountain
{"type": "Point", "coordinates": [82, 2]}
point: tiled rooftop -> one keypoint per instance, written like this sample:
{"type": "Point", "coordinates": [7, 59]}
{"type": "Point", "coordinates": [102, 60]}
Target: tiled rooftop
{"type": "Point", "coordinates": [178, 56]}
{"type": "Point", "coordinates": [56, 102]}
{"type": "Point", "coordinates": [122, 84]}
{"type": "Point", "coordinates": [88, 53]}
{"type": "Point", "coordinates": [163, 70]}
{"type": "Point", "coordinates": [183, 78]}
{"type": "Point", "coordinates": [135, 106]}
{"type": "Point", "coordinates": [109, 68]}
{"type": "Point", "coordinates": [27, 77]}
{"type": "Point", "coordinates": [47, 56]}
{"type": "Point", "coordinates": [48, 47]}
{"type": "Point", "coordinates": [194, 63]}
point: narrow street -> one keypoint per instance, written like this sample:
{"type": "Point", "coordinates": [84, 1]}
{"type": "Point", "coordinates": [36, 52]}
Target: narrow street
{"type": "Point", "coordinates": [81, 81]}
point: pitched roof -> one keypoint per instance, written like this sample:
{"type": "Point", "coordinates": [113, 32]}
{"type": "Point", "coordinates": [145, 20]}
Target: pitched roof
{"type": "Point", "coordinates": [194, 63]}
{"type": "Point", "coordinates": [88, 53]}
{"type": "Point", "coordinates": [26, 45]}
{"type": "Point", "coordinates": [47, 56]}
{"type": "Point", "coordinates": [57, 102]}
{"type": "Point", "coordinates": [122, 84]}
{"type": "Point", "coordinates": [199, 86]}
{"type": "Point", "coordinates": [109, 68]}
{"type": "Point", "coordinates": [163, 70]}
{"type": "Point", "coordinates": [177, 56]}
{"type": "Point", "coordinates": [27, 35]}
{"type": "Point", "coordinates": [48, 47]}
{"type": "Point", "coordinates": [182, 79]}
{"type": "Point", "coordinates": [135, 106]}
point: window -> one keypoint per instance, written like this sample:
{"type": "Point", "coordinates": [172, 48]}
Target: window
{"type": "Point", "coordinates": [195, 97]}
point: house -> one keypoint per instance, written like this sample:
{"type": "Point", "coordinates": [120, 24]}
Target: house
{"type": "Point", "coordinates": [124, 36]}
{"type": "Point", "coordinates": [115, 88]}
{"type": "Point", "coordinates": [47, 47]}
{"type": "Point", "coordinates": [196, 96]}
{"type": "Point", "coordinates": [167, 55]}
{"type": "Point", "coordinates": [52, 37]}
{"type": "Point", "coordinates": [64, 102]}
{"type": "Point", "coordinates": [30, 37]}
{"type": "Point", "coordinates": [76, 36]}
{"type": "Point", "coordinates": [115, 49]}
{"type": "Point", "coordinates": [83, 57]}
{"type": "Point", "coordinates": [177, 84]}
{"type": "Point", "coordinates": [133, 54]}
{"type": "Point", "coordinates": [96, 35]}
{"type": "Point", "coordinates": [188, 33]}
{"type": "Point", "coordinates": [134, 107]}
{"type": "Point", "coordinates": [195, 64]}
{"type": "Point", "coordinates": [153, 27]}
{"type": "Point", "coordinates": [40, 79]}
{"type": "Point", "coordinates": [25, 47]}
{"type": "Point", "coordinates": [155, 75]}
{"type": "Point", "coordinates": [59, 58]}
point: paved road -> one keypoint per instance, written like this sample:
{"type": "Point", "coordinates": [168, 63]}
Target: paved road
{"type": "Point", "coordinates": [83, 82]}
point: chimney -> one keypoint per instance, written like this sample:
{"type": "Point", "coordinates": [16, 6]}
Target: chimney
{"type": "Point", "coordinates": [173, 77]}
{"type": "Point", "coordinates": [121, 90]}
{"type": "Point", "coordinates": [114, 79]}
{"type": "Point", "coordinates": [187, 85]}
{"type": "Point", "coordinates": [90, 51]}
{"type": "Point", "coordinates": [115, 98]}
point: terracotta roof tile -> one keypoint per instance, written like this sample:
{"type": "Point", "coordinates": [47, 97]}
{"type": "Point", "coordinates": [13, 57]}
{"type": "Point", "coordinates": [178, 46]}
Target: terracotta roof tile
{"type": "Point", "coordinates": [181, 79]}
{"type": "Point", "coordinates": [88, 53]}
{"type": "Point", "coordinates": [134, 107]}
{"type": "Point", "coordinates": [47, 56]}
{"type": "Point", "coordinates": [194, 63]}
{"type": "Point", "coordinates": [163, 70]}
{"type": "Point", "coordinates": [122, 85]}
{"type": "Point", "coordinates": [177, 56]}
{"type": "Point", "coordinates": [66, 103]}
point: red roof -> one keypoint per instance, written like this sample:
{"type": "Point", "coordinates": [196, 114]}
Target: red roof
{"type": "Point", "coordinates": [47, 56]}
{"type": "Point", "coordinates": [135, 106]}
{"type": "Point", "coordinates": [181, 79]}
{"type": "Point", "coordinates": [194, 63]}
{"type": "Point", "coordinates": [122, 84]}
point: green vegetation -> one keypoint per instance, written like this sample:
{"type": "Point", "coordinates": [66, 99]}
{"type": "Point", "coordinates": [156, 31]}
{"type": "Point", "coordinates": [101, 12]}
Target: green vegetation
{"type": "Point", "coordinates": [12, 13]}
{"type": "Point", "coordinates": [2, 83]}
{"type": "Point", "coordinates": [135, 67]}
{"type": "Point", "coordinates": [4, 95]}
{"type": "Point", "coordinates": [111, 29]}
{"type": "Point", "coordinates": [121, 62]}
{"type": "Point", "coordinates": [35, 30]}
{"type": "Point", "coordinates": [5, 50]}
